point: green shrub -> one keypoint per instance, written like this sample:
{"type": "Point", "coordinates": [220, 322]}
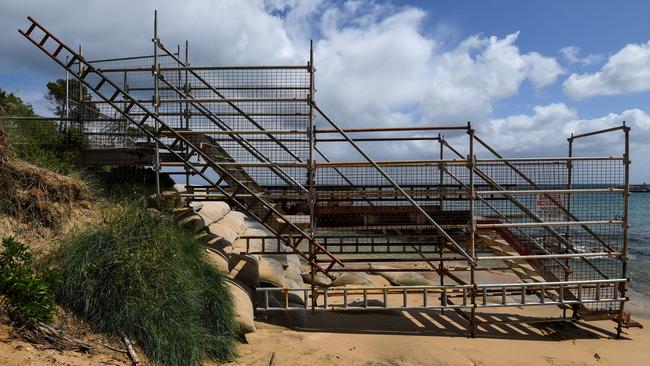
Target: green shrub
{"type": "Point", "coordinates": [140, 275]}
{"type": "Point", "coordinates": [28, 297]}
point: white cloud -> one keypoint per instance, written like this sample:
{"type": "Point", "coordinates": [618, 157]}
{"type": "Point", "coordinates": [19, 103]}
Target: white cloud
{"type": "Point", "coordinates": [572, 55]}
{"type": "Point", "coordinates": [548, 127]}
{"type": "Point", "coordinates": [627, 71]}
{"type": "Point", "coordinates": [372, 58]}
{"type": "Point", "coordinates": [466, 81]}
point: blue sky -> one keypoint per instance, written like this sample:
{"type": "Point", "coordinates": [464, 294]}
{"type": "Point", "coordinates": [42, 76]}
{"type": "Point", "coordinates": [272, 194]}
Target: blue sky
{"type": "Point", "coordinates": [596, 27]}
{"type": "Point", "coordinates": [526, 73]}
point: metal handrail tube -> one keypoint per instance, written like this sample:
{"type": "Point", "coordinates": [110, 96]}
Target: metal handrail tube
{"type": "Point", "coordinates": [550, 223]}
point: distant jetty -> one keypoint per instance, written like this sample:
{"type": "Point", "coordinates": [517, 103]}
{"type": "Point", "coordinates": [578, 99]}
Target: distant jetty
{"type": "Point", "coordinates": [639, 188]}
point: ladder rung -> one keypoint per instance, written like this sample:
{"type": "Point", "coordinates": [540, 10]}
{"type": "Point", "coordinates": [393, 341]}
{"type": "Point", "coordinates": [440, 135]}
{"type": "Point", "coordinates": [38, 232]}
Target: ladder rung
{"type": "Point", "coordinates": [269, 215]}
{"type": "Point", "coordinates": [71, 62]}
{"type": "Point", "coordinates": [112, 98]}
{"type": "Point", "coordinates": [31, 28]}
{"type": "Point", "coordinates": [101, 82]}
{"type": "Point", "coordinates": [146, 117]}
{"type": "Point", "coordinates": [45, 38]}
{"type": "Point", "coordinates": [128, 107]}
{"type": "Point", "coordinates": [58, 50]}
{"type": "Point", "coordinates": [85, 73]}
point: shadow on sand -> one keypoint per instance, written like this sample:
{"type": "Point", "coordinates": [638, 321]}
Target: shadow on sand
{"type": "Point", "coordinates": [420, 322]}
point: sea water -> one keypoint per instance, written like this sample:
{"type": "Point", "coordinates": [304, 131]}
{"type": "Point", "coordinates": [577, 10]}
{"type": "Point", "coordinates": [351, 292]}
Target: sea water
{"type": "Point", "coordinates": [639, 243]}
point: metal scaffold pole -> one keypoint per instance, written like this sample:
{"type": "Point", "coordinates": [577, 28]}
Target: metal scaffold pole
{"type": "Point", "coordinates": [66, 105]}
{"type": "Point", "coordinates": [471, 159]}
{"type": "Point", "coordinates": [626, 226]}
{"type": "Point", "coordinates": [156, 98]}
{"type": "Point", "coordinates": [568, 206]}
{"type": "Point", "coordinates": [311, 167]}
{"type": "Point", "coordinates": [81, 111]}
{"type": "Point", "coordinates": [187, 91]}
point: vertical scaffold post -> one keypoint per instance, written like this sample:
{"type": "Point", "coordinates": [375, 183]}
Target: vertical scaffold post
{"type": "Point", "coordinates": [125, 128]}
{"type": "Point", "coordinates": [441, 241]}
{"type": "Point", "coordinates": [569, 187]}
{"type": "Point", "coordinates": [472, 227]}
{"type": "Point", "coordinates": [441, 169]}
{"type": "Point", "coordinates": [156, 103]}
{"type": "Point", "coordinates": [64, 126]}
{"type": "Point", "coordinates": [179, 75]}
{"type": "Point", "coordinates": [311, 175]}
{"type": "Point", "coordinates": [626, 224]}
{"type": "Point", "coordinates": [81, 111]}
{"type": "Point", "coordinates": [187, 91]}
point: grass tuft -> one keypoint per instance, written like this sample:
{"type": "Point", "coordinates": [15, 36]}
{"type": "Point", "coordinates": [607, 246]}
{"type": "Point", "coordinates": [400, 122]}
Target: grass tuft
{"type": "Point", "coordinates": [139, 275]}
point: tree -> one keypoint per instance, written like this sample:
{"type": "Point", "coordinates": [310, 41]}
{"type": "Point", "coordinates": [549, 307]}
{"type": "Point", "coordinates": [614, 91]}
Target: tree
{"type": "Point", "coordinates": [80, 104]}
{"type": "Point", "coordinates": [11, 105]}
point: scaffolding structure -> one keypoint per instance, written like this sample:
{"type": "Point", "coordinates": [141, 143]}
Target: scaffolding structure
{"type": "Point", "coordinates": [256, 138]}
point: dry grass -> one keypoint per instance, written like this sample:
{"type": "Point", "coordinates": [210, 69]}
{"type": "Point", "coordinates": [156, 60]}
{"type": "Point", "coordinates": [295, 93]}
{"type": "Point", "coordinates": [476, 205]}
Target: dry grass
{"type": "Point", "coordinates": [33, 194]}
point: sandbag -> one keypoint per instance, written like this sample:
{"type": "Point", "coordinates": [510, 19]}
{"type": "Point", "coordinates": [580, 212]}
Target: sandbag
{"type": "Point", "coordinates": [193, 222]}
{"type": "Point", "coordinates": [255, 232]}
{"type": "Point", "coordinates": [319, 279]}
{"type": "Point", "coordinates": [223, 231]}
{"type": "Point", "coordinates": [293, 262]}
{"type": "Point", "coordinates": [247, 242]}
{"type": "Point", "coordinates": [242, 306]}
{"type": "Point", "coordinates": [235, 221]}
{"type": "Point", "coordinates": [218, 259]}
{"type": "Point", "coordinates": [294, 276]}
{"type": "Point", "coordinates": [254, 224]}
{"type": "Point", "coordinates": [181, 213]}
{"type": "Point", "coordinates": [244, 268]}
{"type": "Point", "coordinates": [353, 279]}
{"type": "Point", "coordinates": [406, 279]}
{"type": "Point", "coordinates": [214, 242]}
{"type": "Point", "coordinates": [213, 211]}
{"type": "Point", "coordinates": [179, 188]}
{"type": "Point", "coordinates": [271, 272]}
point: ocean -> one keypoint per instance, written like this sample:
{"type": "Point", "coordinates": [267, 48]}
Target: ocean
{"type": "Point", "coordinates": [639, 243]}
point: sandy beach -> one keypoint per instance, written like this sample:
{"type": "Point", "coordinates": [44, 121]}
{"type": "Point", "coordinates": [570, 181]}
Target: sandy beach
{"type": "Point", "coordinates": [418, 337]}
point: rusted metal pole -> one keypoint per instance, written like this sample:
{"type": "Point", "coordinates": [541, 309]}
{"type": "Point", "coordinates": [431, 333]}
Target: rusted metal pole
{"type": "Point", "coordinates": [441, 243]}
{"type": "Point", "coordinates": [187, 91]}
{"type": "Point", "coordinates": [626, 226]}
{"type": "Point", "coordinates": [472, 227]}
{"type": "Point", "coordinates": [394, 129]}
{"type": "Point", "coordinates": [568, 206]}
{"type": "Point", "coordinates": [311, 173]}
{"type": "Point", "coordinates": [80, 104]}
{"type": "Point", "coordinates": [156, 102]}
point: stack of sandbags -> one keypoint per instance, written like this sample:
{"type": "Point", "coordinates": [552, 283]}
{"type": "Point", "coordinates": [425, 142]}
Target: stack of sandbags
{"type": "Point", "coordinates": [320, 279]}
{"type": "Point", "coordinates": [189, 219]}
{"type": "Point", "coordinates": [404, 278]}
{"type": "Point", "coordinates": [235, 220]}
{"type": "Point", "coordinates": [211, 211]}
{"type": "Point", "coordinates": [201, 214]}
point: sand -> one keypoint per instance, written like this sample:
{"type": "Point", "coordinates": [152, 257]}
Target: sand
{"type": "Point", "coordinates": [431, 338]}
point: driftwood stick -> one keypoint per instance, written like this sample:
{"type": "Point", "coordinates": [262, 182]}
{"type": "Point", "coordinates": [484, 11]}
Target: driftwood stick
{"type": "Point", "coordinates": [114, 348]}
{"type": "Point", "coordinates": [129, 349]}
{"type": "Point", "coordinates": [53, 334]}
